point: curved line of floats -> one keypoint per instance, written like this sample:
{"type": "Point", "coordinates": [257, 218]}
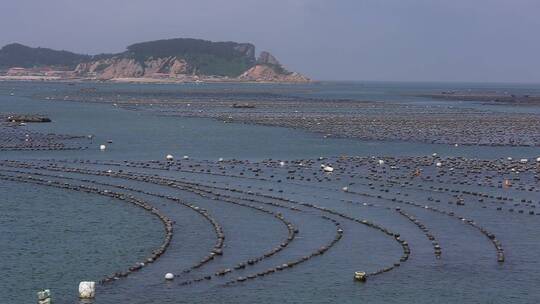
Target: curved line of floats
{"type": "Point", "coordinates": [211, 192]}
{"type": "Point", "coordinates": [241, 265]}
{"type": "Point", "coordinates": [492, 238]}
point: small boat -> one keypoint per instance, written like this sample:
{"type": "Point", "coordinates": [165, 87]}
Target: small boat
{"type": "Point", "coordinates": [243, 106]}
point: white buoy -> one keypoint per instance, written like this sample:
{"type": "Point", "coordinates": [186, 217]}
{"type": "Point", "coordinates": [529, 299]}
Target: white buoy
{"type": "Point", "coordinates": [328, 169]}
{"type": "Point", "coordinates": [46, 301]}
{"type": "Point", "coordinates": [12, 94]}
{"type": "Point", "coordinates": [220, 159]}
{"type": "Point", "coordinates": [44, 296]}
{"type": "Point", "coordinates": [87, 290]}
{"type": "Point", "coordinates": [456, 145]}
{"type": "Point", "coordinates": [438, 164]}
{"type": "Point", "coordinates": [169, 276]}
{"type": "Point", "coordinates": [186, 157]}
{"type": "Point", "coordinates": [102, 147]}
{"type": "Point", "coordinates": [360, 276]}
{"type": "Point", "coordinates": [434, 154]}
{"type": "Point", "coordinates": [381, 162]}
{"type": "Point", "coordinates": [523, 160]}
{"type": "Point", "coordinates": [282, 163]}
{"type": "Point", "coordinates": [169, 157]}
{"type": "Point", "coordinates": [538, 159]}
{"type": "Point", "coordinates": [509, 158]}
{"type": "Point", "coordinates": [345, 189]}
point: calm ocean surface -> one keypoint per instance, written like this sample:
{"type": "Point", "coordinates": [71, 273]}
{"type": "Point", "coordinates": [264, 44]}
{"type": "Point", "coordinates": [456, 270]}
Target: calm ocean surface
{"type": "Point", "coordinates": [54, 239]}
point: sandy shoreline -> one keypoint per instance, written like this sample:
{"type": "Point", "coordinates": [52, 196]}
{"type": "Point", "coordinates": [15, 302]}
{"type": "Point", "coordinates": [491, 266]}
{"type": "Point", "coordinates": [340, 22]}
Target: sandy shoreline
{"type": "Point", "coordinates": [30, 78]}
{"type": "Point", "coordinates": [141, 80]}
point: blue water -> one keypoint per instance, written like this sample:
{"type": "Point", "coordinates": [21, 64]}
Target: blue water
{"type": "Point", "coordinates": [139, 135]}
{"type": "Point", "coordinates": [54, 239]}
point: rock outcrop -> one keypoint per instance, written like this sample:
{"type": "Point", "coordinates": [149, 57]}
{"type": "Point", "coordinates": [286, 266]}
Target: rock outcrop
{"type": "Point", "coordinates": [268, 69]}
{"type": "Point", "coordinates": [268, 73]}
{"type": "Point", "coordinates": [118, 67]}
{"type": "Point", "coordinates": [267, 58]}
{"type": "Point", "coordinates": [247, 49]}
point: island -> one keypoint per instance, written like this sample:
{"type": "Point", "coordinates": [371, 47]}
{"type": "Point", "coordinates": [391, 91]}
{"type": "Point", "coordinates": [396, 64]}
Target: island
{"type": "Point", "coordinates": [169, 60]}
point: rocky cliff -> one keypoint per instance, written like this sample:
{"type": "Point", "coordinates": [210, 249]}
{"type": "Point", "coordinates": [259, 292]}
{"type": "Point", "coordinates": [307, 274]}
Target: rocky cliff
{"type": "Point", "coordinates": [119, 67]}
{"type": "Point", "coordinates": [267, 58]}
{"type": "Point", "coordinates": [268, 73]}
{"type": "Point", "coordinates": [268, 69]}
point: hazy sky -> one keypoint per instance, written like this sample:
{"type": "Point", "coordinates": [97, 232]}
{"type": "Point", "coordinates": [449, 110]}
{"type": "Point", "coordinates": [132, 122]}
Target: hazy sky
{"type": "Point", "coordinates": [409, 40]}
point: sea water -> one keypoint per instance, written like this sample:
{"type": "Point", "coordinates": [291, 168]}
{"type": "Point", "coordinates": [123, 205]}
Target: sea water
{"type": "Point", "coordinates": [54, 239]}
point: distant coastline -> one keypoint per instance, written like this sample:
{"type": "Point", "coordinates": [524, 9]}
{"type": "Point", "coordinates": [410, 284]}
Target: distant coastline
{"type": "Point", "coordinates": [142, 80]}
{"type": "Point", "coordinates": [173, 61]}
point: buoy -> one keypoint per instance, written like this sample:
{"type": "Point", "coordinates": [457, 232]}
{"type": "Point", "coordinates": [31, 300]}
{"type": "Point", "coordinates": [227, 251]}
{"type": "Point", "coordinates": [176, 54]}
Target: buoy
{"type": "Point", "coordinates": [509, 158]}
{"type": "Point", "coordinates": [186, 157]}
{"type": "Point", "coordinates": [169, 157]}
{"type": "Point", "coordinates": [44, 296]}
{"type": "Point", "coordinates": [328, 169]}
{"type": "Point", "coordinates": [381, 162]}
{"type": "Point", "coordinates": [220, 159]}
{"type": "Point", "coordinates": [345, 189]}
{"type": "Point", "coordinates": [438, 164]}
{"type": "Point", "coordinates": [434, 154]}
{"type": "Point", "coordinates": [87, 290]}
{"type": "Point", "coordinates": [281, 163]}
{"type": "Point", "coordinates": [169, 276]}
{"type": "Point", "coordinates": [523, 160]}
{"type": "Point", "coordinates": [538, 159]}
{"type": "Point", "coordinates": [102, 147]}
{"type": "Point", "coordinates": [360, 276]}
{"type": "Point", "coordinates": [12, 94]}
